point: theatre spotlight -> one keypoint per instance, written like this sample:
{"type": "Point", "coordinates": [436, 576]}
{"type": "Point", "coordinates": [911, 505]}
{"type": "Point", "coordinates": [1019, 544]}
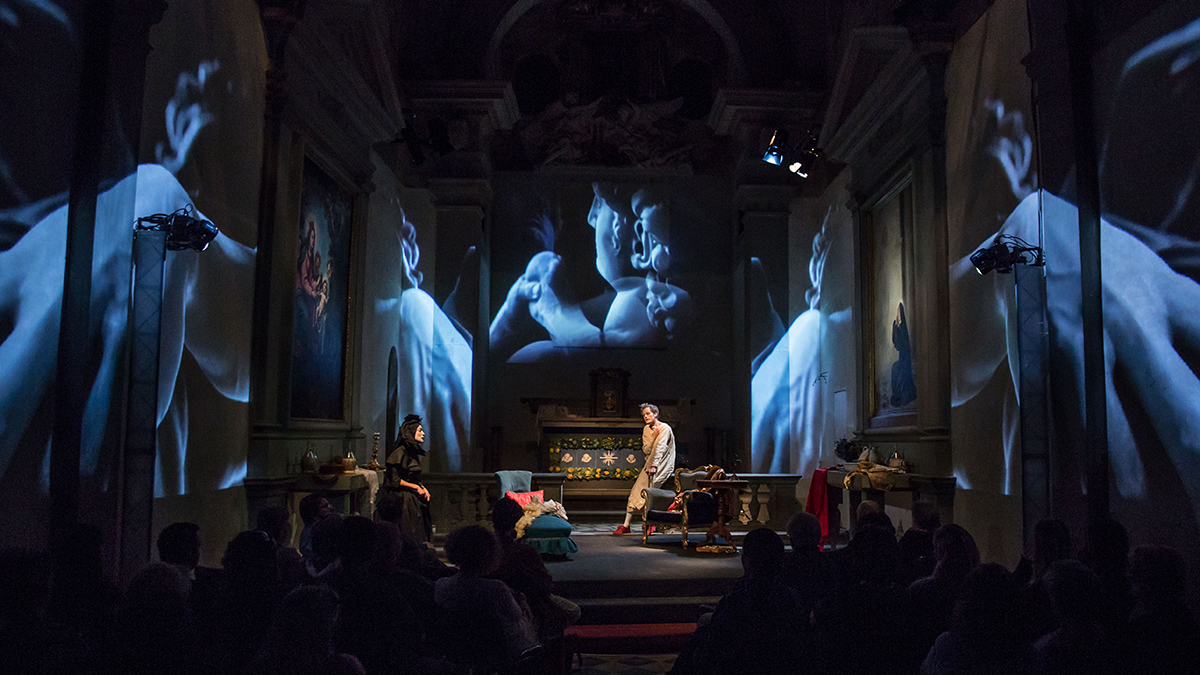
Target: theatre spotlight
{"type": "Point", "coordinates": [1005, 252]}
{"type": "Point", "coordinates": [800, 159]}
{"type": "Point", "coordinates": [774, 153]}
{"type": "Point", "coordinates": [183, 230]}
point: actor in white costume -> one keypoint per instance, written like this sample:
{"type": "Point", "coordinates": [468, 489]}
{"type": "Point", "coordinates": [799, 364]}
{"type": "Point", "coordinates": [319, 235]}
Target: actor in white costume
{"type": "Point", "coordinates": [658, 442]}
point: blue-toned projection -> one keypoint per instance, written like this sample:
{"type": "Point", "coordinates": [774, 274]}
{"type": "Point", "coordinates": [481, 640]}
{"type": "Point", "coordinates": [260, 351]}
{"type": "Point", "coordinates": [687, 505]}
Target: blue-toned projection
{"type": "Point", "coordinates": [637, 305]}
{"type": "Point", "coordinates": [1150, 240]}
{"type": "Point", "coordinates": [433, 356]}
{"type": "Point", "coordinates": [790, 409]}
{"type": "Point", "coordinates": [204, 351]}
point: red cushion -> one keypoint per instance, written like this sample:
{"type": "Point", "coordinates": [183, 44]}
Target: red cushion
{"type": "Point", "coordinates": [524, 498]}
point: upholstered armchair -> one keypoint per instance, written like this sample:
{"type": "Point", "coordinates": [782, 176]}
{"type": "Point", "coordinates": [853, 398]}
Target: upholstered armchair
{"type": "Point", "coordinates": [697, 508]}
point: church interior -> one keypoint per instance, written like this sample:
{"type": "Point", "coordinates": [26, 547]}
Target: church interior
{"type": "Point", "coordinates": [874, 260]}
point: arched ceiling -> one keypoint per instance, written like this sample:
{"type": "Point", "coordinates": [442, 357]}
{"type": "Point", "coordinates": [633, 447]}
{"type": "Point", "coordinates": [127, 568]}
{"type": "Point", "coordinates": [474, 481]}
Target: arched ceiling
{"type": "Point", "coordinates": [633, 45]}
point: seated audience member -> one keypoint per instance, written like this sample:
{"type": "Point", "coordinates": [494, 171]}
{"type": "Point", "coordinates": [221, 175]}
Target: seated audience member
{"type": "Point", "coordinates": [933, 598]}
{"type": "Point", "coordinates": [1162, 636]}
{"type": "Point", "coordinates": [179, 547]}
{"type": "Point", "coordinates": [480, 621]}
{"type": "Point", "coordinates": [806, 570]}
{"type": "Point", "coordinates": [392, 565]}
{"type": "Point", "coordinates": [871, 582]}
{"type": "Point", "coordinates": [313, 508]}
{"type": "Point", "coordinates": [1051, 543]}
{"type": "Point", "coordinates": [389, 508]}
{"type": "Point", "coordinates": [277, 522]}
{"type": "Point", "coordinates": [376, 623]}
{"type": "Point", "coordinates": [916, 546]}
{"type": "Point", "coordinates": [756, 628]}
{"type": "Point", "coordinates": [234, 609]}
{"type": "Point", "coordinates": [983, 638]}
{"type": "Point", "coordinates": [871, 517]}
{"type": "Point", "coordinates": [154, 632]}
{"type": "Point", "coordinates": [300, 640]}
{"type": "Point", "coordinates": [327, 541]}
{"type": "Point", "coordinates": [1078, 645]}
{"type": "Point", "coordinates": [522, 569]}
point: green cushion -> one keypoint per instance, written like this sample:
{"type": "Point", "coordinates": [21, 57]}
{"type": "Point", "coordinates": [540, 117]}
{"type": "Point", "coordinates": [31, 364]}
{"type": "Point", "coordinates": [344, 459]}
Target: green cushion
{"type": "Point", "coordinates": [548, 527]}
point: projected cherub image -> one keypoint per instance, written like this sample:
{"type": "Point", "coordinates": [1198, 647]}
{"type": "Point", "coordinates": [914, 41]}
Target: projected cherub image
{"type": "Point", "coordinates": [632, 233]}
{"type": "Point", "coordinates": [1150, 247]}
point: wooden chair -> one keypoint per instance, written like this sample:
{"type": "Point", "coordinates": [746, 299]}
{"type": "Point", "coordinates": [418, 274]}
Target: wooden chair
{"type": "Point", "coordinates": [697, 508]}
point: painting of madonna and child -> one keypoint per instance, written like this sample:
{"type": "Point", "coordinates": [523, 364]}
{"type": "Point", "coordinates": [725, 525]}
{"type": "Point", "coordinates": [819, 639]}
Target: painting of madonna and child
{"type": "Point", "coordinates": [322, 285]}
{"type": "Point", "coordinates": [581, 265]}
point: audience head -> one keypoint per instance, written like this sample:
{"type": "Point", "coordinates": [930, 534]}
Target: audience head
{"type": "Point", "coordinates": [179, 544]}
{"type": "Point", "coordinates": [1159, 576]}
{"type": "Point", "coordinates": [472, 549]}
{"type": "Point", "coordinates": [867, 506]}
{"type": "Point", "coordinates": [762, 553]}
{"type": "Point", "coordinates": [314, 507]}
{"type": "Point", "coordinates": [877, 519]}
{"type": "Point", "coordinates": [955, 551]}
{"type": "Point", "coordinates": [302, 633]}
{"type": "Point", "coordinates": [276, 522]}
{"type": "Point", "coordinates": [1074, 591]}
{"type": "Point", "coordinates": [328, 539]}
{"type": "Point", "coordinates": [874, 555]}
{"type": "Point", "coordinates": [505, 515]}
{"type": "Point", "coordinates": [986, 610]}
{"type": "Point", "coordinates": [358, 540]}
{"type": "Point", "coordinates": [1051, 542]}
{"type": "Point", "coordinates": [926, 516]}
{"type": "Point", "coordinates": [389, 508]}
{"type": "Point", "coordinates": [250, 558]}
{"type": "Point", "coordinates": [157, 589]}
{"type": "Point", "coordinates": [804, 532]}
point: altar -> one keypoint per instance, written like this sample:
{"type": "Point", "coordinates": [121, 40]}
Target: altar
{"type": "Point", "coordinates": [599, 458]}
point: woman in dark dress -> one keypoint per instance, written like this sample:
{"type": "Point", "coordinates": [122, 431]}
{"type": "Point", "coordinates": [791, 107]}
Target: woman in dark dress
{"type": "Point", "coordinates": [404, 479]}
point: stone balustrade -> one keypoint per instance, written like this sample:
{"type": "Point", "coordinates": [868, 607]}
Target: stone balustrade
{"type": "Point", "coordinates": [770, 500]}
{"type": "Point", "coordinates": [460, 499]}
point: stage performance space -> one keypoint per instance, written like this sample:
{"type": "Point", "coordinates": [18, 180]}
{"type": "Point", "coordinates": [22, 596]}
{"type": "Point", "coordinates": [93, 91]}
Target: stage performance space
{"type": "Point", "coordinates": [641, 599]}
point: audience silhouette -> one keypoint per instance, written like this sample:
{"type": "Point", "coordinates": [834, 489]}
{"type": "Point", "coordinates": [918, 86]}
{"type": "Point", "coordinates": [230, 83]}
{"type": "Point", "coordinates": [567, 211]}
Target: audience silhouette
{"type": "Point", "coordinates": [367, 601]}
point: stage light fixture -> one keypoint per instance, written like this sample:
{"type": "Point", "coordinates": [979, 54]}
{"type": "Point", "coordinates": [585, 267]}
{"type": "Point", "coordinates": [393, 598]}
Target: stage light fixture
{"type": "Point", "coordinates": [774, 153]}
{"type": "Point", "coordinates": [1005, 252]}
{"type": "Point", "coordinates": [802, 157]}
{"type": "Point", "coordinates": [184, 231]}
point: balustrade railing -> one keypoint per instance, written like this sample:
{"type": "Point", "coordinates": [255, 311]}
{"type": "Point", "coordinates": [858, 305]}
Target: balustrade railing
{"type": "Point", "coordinates": [770, 500]}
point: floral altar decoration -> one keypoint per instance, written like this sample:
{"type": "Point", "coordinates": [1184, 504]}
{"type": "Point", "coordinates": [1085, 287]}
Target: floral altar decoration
{"type": "Point", "coordinates": [606, 458]}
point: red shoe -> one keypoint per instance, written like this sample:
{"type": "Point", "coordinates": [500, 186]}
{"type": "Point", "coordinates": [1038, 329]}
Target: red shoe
{"type": "Point", "coordinates": [652, 528]}
{"type": "Point", "coordinates": [621, 529]}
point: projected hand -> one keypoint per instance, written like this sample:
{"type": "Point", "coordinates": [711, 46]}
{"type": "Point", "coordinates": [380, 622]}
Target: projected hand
{"type": "Point", "coordinates": [541, 302]}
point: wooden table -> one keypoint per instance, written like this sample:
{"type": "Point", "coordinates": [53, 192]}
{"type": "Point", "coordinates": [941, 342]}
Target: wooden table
{"type": "Point", "coordinates": [936, 489]}
{"type": "Point", "coordinates": [719, 527]}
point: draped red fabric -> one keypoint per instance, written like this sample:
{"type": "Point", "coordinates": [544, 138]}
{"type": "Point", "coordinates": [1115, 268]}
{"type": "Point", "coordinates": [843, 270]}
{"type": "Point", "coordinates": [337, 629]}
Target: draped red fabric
{"type": "Point", "coordinates": [818, 500]}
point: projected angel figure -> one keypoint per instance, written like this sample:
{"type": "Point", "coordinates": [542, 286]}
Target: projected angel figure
{"type": "Point", "coordinates": [904, 389]}
{"type": "Point", "coordinates": [1150, 262]}
{"type": "Point", "coordinates": [633, 254]}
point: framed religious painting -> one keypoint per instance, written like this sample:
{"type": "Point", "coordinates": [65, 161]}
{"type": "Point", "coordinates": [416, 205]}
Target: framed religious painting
{"type": "Point", "coordinates": [888, 334]}
{"type": "Point", "coordinates": [319, 323]}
